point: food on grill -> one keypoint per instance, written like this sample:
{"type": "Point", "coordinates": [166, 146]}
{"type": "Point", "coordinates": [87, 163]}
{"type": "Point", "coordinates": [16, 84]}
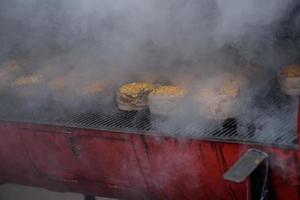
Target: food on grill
{"type": "Point", "coordinates": [30, 85]}
{"type": "Point", "coordinates": [9, 70]}
{"type": "Point", "coordinates": [29, 80]}
{"type": "Point", "coordinates": [289, 79]}
{"type": "Point", "coordinates": [166, 100]}
{"type": "Point", "coordinates": [291, 71]}
{"type": "Point", "coordinates": [134, 96]}
{"type": "Point", "coordinates": [219, 99]}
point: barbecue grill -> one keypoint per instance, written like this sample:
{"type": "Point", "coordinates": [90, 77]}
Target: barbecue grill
{"type": "Point", "coordinates": [98, 150]}
{"type": "Point", "coordinates": [125, 155]}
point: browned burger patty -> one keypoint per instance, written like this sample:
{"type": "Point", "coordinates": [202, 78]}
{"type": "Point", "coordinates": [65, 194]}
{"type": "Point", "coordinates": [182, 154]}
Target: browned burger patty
{"type": "Point", "coordinates": [289, 79]}
{"type": "Point", "coordinates": [9, 70]}
{"type": "Point", "coordinates": [166, 100]}
{"type": "Point", "coordinates": [134, 96]}
{"type": "Point", "coordinates": [291, 71]}
{"type": "Point", "coordinates": [220, 99]}
{"type": "Point", "coordinates": [29, 86]}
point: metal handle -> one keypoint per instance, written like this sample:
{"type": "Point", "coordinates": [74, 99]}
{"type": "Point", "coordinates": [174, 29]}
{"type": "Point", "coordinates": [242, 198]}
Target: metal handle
{"type": "Point", "coordinates": [245, 165]}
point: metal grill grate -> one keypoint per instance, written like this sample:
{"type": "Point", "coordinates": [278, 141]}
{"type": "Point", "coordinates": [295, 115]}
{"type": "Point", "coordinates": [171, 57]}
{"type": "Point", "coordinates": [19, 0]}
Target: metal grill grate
{"type": "Point", "coordinates": [230, 130]}
{"type": "Point", "coordinates": [260, 128]}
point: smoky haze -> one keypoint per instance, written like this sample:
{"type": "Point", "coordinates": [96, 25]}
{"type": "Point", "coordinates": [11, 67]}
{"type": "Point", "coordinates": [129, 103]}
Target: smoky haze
{"type": "Point", "coordinates": [132, 40]}
{"type": "Point", "coordinates": [143, 34]}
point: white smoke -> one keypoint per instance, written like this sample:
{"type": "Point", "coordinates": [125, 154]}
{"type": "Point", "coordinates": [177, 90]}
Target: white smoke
{"type": "Point", "coordinates": [131, 40]}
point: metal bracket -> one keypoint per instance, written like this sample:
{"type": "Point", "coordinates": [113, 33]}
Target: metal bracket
{"type": "Point", "coordinates": [245, 165]}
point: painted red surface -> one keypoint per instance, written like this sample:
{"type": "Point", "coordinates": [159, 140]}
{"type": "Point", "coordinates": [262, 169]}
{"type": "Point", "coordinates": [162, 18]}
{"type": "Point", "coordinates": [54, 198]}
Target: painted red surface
{"type": "Point", "coordinates": [133, 166]}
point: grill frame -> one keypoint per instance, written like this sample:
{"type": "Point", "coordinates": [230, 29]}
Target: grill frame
{"type": "Point", "coordinates": [147, 147]}
{"type": "Point", "coordinates": [113, 120]}
{"type": "Point", "coordinates": [229, 135]}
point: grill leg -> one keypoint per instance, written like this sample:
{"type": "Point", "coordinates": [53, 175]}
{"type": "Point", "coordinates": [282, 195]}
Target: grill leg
{"type": "Point", "coordinates": [89, 197]}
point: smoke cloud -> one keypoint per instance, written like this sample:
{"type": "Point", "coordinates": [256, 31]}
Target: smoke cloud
{"type": "Point", "coordinates": [129, 40]}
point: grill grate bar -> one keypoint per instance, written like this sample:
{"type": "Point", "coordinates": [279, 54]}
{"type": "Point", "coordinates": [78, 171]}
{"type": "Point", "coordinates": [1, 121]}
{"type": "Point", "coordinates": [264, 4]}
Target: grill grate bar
{"type": "Point", "coordinates": [136, 122]}
{"type": "Point", "coordinates": [245, 129]}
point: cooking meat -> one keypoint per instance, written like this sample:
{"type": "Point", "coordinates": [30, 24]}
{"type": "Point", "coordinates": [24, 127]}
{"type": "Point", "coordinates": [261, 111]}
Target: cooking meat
{"type": "Point", "coordinates": [166, 100]}
{"type": "Point", "coordinates": [9, 70]}
{"type": "Point", "coordinates": [291, 71]}
{"type": "Point", "coordinates": [34, 79]}
{"type": "Point", "coordinates": [30, 86]}
{"type": "Point", "coordinates": [289, 79]}
{"type": "Point", "coordinates": [220, 98]}
{"type": "Point", "coordinates": [134, 96]}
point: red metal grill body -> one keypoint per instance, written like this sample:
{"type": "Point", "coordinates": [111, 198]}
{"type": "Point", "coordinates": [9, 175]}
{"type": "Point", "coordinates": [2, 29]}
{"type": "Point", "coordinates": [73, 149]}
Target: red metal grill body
{"type": "Point", "coordinates": [133, 166]}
